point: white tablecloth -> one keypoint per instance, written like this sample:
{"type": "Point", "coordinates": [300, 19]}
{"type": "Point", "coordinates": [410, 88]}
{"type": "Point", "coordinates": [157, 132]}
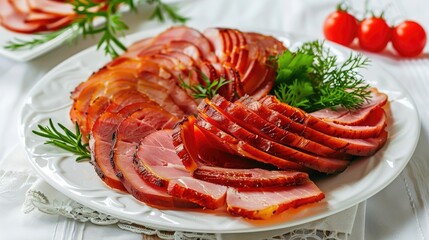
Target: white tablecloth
{"type": "Point", "coordinates": [398, 212]}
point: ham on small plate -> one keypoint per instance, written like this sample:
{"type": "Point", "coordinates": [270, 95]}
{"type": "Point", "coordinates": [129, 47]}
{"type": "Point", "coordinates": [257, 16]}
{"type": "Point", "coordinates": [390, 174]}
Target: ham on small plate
{"type": "Point", "coordinates": [16, 27]}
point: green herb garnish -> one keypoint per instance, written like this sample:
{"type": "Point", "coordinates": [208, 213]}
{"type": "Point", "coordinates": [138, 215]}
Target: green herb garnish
{"type": "Point", "coordinates": [110, 31]}
{"type": "Point", "coordinates": [208, 89]}
{"type": "Point", "coordinates": [69, 141]}
{"type": "Point", "coordinates": [312, 78]}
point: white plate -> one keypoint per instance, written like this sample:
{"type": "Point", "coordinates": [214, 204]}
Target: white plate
{"type": "Point", "coordinates": [28, 54]}
{"type": "Point", "coordinates": [364, 178]}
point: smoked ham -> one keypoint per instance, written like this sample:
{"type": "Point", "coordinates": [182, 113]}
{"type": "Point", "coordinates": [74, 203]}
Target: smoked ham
{"type": "Point", "coordinates": [356, 147]}
{"type": "Point", "coordinates": [247, 203]}
{"type": "Point", "coordinates": [281, 152]}
{"type": "Point", "coordinates": [158, 164]}
{"type": "Point", "coordinates": [242, 150]}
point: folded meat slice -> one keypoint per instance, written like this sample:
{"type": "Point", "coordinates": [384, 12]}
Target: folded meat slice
{"type": "Point", "coordinates": [263, 203]}
{"type": "Point", "coordinates": [101, 141]}
{"type": "Point", "coordinates": [354, 117]}
{"type": "Point", "coordinates": [242, 148]}
{"type": "Point", "coordinates": [318, 163]}
{"type": "Point", "coordinates": [195, 149]}
{"type": "Point", "coordinates": [357, 147]}
{"type": "Point", "coordinates": [53, 7]}
{"type": "Point", "coordinates": [14, 20]}
{"type": "Point", "coordinates": [128, 135]}
{"type": "Point", "coordinates": [158, 164]}
{"type": "Point", "coordinates": [211, 161]}
{"type": "Point", "coordinates": [183, 33]}
{"type": "Point", "coordinates": [246, 118]}
{"type": "Point", "coordinates": [369, 128]}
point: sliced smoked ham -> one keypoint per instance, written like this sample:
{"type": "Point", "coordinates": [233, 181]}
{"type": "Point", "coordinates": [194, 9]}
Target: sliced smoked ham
{"type": "Point", "coordinates": [101, 141]}
{"type": "Point", "coordinates": [128, 135]}
{"type": "Point", "coordinates": [247, 203]}
{"type": "Point", "coordinates": [214, 164]}
{"type": "Point", "coordinates": [254, 123]}
{"type": "Point", "coordinates": [158, 164]}
{"type": "Point", "coordinates": [15, 20]}
{"type": "Point", "coordinates": [242, 148]}
{"type": "Point", "coordinates": [96, 93]}
{"type": "Point", "coordinates": [369, 128]}
{"type": "Point", "coordinates": [195, 149]}
{"type": "Point", "coordinates": [357, 147]}
{"type": "Point", "coordinates": [318, 163]}
{"type": "Point", "coordinates": [183, 33]}
{"type": "Point", "coordinates": [353, 117]}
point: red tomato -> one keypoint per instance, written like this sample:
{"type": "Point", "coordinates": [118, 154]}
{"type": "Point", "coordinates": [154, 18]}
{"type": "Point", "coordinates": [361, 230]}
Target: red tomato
{"type": "Point", "coordinates": [373, 34]}
{"type": "Point", "coordinates": [340, 27]}
{"type": "Point", "coordinates": [409, 38]}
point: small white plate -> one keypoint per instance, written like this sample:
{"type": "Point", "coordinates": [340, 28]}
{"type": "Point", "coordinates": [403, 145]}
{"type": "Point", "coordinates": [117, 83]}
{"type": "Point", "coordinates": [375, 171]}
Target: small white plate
{"type": "Point", "coordinates": [50, 98]}
{"type": "Point", "coordinates": [28, 54]}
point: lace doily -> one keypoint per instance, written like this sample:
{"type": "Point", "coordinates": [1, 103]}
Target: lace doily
{"type": "Point", "coordinates": [37, 197]}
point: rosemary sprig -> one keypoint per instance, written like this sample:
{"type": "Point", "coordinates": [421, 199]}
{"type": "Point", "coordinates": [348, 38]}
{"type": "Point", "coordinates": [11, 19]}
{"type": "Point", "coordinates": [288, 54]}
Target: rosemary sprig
{"type": "Point", "coordinates": [311, 78]}
{"type": "Point", "coordinates": [169, 10]}
{"type": "Point", "coordinates": [208, 89]}
{"type": "Point", "coordinates": [69, 141]}
{"type": "Point", "coordinates": [18, 44]}
{"type": "Point", "coordinates": [110, 31]}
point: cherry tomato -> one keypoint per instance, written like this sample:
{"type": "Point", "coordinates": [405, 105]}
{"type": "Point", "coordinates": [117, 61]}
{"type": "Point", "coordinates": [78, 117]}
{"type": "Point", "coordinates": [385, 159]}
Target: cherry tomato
{"type": "Point", "coordinates": [340, 27]}
{"type": "Point", "coordinates": [373, 34]}
{"type": "Point", "coordinates": [409, 38]}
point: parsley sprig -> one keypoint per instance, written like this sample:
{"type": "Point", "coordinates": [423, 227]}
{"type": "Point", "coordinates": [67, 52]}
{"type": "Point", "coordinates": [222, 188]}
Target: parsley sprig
{"type": "Point", "coordinates": [312, 78]}
{"type": "Point", "coordinates": [67, 140]}
{"type": "Point", "coordinates": [110, 31]}
{"type": "Point", "coordinates": [208, 89]}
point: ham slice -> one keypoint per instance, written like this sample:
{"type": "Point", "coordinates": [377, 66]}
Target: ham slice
{"type": "Point", "coordinates": [263, 203]}
{"type": "Point", "coordinates": [369, 128]}
{"type": "Point", "coordinates": [355, 117]}
{"type": "Point", "coordinates": [14, 20]}
{"type": "Point", "coordinates": [257, 125]}
{"type": "Point", "coordinates": [158, 164]}
{"type": "Point", "coordinates": [357, 147]}
{"type": "Point", "coordinates": [208, 163]}
{"type": "Point", "coordinates": [53, 7]}
{"type": "Point", "coordinates": [182, 33]}
{"type": "Point", "coordinates": [195, 149]}
{"type": "Point", "coordinates": [102, 141]}
{"type": "Point", "coordinates": [318, 163]}
{"type": "Point", "coordinates": [242, 148]}
{"type": "Point", "coordinates": [128, 135]}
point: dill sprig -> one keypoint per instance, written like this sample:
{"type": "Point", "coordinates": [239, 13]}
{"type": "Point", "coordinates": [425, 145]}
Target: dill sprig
{"type": "Point", "coordinates": [312, 78]}
{"type": "Point", "coordinates": [208, 89]}
{"type": "Point", "coordinates": [113, 27]}
{"type": "Point", "coordinates": [66, 140]}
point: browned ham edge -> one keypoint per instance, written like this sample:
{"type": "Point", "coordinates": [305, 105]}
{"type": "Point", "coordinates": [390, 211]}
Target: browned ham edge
{"type": "Point", "coordinates": [158, 164]}
{"type": "Point", "coordinates": [357, 147]}
{"type": "Point", "coordinates": [369, 128]}
{"type": "Point", "coordinates": [318, 163]}
{"type": "Point", "coordinates": [246, 203]}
